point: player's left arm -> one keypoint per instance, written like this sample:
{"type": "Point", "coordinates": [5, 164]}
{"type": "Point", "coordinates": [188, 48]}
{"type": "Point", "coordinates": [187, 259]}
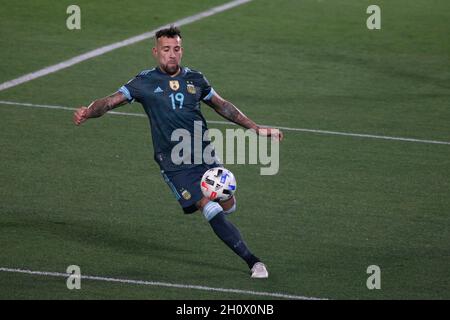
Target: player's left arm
{"type": "Point", "coordinates": [230, 112]}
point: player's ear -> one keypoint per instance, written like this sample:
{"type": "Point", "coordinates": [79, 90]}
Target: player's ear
{"type": "Point", "coordinates": [155, 52]}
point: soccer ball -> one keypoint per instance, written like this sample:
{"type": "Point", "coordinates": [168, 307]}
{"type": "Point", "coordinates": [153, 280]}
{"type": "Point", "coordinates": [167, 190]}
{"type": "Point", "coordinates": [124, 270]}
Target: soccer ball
{"type": "Point", "coordinates": [218, 184]}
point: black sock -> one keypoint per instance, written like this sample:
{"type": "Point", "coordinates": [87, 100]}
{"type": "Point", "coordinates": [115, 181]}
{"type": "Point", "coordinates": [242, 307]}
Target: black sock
{"type": "Point", "coordinates": [229, 234]}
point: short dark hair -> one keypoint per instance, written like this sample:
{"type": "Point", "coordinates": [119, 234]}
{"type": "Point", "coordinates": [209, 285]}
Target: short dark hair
{"type": "Point", "coordinates": [170, 32]}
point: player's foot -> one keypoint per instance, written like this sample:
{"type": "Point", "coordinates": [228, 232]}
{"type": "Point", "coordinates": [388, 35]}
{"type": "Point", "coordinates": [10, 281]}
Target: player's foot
{"type": "Point", "coordinates": [259, 270]}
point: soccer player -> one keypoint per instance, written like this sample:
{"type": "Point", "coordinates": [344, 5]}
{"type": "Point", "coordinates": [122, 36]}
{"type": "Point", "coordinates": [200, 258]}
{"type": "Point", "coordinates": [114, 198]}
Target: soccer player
{"type": "Point", "coordinates": [171, 95]}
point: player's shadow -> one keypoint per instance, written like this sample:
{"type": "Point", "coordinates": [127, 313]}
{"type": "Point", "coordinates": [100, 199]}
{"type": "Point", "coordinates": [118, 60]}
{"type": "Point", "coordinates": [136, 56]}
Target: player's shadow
{"type": "Point", "coordinates": [101, 237]}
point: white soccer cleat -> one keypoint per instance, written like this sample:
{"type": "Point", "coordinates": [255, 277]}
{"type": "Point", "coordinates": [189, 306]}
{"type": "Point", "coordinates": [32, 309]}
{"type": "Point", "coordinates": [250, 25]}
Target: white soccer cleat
{"type": "Point", "coordinates": [259, 271]}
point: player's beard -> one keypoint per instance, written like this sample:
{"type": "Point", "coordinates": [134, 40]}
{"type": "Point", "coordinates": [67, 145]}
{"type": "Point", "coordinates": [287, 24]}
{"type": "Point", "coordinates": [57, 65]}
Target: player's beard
{"type": "Point", "coordinates": [170, 69]}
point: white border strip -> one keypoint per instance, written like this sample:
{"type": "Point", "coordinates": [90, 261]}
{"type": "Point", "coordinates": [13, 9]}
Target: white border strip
{"type": "Point", "coordinates": [161, 284]}
{"type": "Point", "coordinates": [102, 50]}
{"type": "Point", "coordinates": [359, 135]}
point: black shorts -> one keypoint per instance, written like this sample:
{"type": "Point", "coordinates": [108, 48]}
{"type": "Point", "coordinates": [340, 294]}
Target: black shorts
{"type": "Point", "coordinates": [185, 185]}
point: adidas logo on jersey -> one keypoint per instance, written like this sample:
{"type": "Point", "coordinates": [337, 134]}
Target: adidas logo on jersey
{"type": "Point", "coordinates": [158, 90]}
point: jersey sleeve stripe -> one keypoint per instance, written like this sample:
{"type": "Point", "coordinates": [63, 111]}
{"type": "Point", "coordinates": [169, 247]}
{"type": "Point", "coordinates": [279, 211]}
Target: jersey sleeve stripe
{"type": "Point", "coordinates": [210, 95]}
{"type": "Point", "coordinates": [126, 93]}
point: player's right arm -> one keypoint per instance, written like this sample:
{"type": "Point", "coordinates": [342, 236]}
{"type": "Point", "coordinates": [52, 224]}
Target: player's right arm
{"type": "Point", "coordinates": [99, 107]}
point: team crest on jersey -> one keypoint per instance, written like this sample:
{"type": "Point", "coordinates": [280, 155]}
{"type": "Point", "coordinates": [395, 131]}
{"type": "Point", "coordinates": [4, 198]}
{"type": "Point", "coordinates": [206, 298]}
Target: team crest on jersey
{"type": "Point", "coordinates": [186, 195]}
{"type": "Point", "coordinates": [174, 85]}
{"type": "Point", "coordinates": [191, 88]}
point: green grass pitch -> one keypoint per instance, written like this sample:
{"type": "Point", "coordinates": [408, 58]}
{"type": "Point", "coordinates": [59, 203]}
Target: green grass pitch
{"type": "Point", "coordinates": [93, 196]}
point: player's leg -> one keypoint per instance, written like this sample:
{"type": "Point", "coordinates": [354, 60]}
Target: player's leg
{"type": "Point", "coordinates": [230, 235]}
{"type": "Point", "coordinates": [186, 187]}
{"type": "Point", "coordinates": [228, 206]}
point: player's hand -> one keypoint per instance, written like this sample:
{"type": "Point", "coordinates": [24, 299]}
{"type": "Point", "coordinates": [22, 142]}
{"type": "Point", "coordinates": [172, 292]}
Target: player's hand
{"type": "Point", "coordinates": [80, 115]}
{"type": "Point", "coordinates": [276, 134]}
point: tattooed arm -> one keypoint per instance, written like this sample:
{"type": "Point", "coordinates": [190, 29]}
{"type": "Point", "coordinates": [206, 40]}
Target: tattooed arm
{"type": "Point", "coordinates": [229, 111]}
{"type": "Point", "coordinates": [98, 107]}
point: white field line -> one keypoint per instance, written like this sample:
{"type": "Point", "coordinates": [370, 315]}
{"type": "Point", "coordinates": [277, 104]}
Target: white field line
{"type": "Point", "coordinates": [348, 134]}
{"type": "Point", "coordinates": [161, 284]}
{"type": "Point", "coordinates": [102, 50]}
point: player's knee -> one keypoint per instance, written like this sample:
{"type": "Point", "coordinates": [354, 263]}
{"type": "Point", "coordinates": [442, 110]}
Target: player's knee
{"type": "Point", "coordinates": [202, 203]}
